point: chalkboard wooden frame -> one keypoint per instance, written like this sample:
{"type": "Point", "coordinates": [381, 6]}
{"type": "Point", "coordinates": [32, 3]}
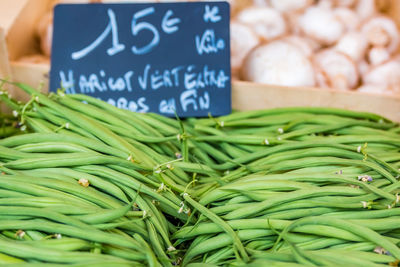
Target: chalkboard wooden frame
{"type": "Point", "coordinates": [146, 57]}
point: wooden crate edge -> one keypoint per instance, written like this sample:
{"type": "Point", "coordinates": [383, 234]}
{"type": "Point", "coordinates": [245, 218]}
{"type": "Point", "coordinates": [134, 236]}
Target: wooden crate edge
{"type": "Point", "coordinates": [251, 96]}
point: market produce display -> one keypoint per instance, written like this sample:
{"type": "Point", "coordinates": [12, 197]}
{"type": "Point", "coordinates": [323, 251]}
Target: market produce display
{"type": "Point", "coordinates": [345, 45]}
{"type": "Point", "coordinates": [87, 184]}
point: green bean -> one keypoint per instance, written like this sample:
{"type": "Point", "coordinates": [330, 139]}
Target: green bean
{"type": "Point", "coordinates": [90, 263]}
{"type": "Point", "coordinates": [52, 255]}
{"type": "Point", "coordinates": [121, 252]}
{"type": "Point", "coordinates": [8, 193]}
{"type": "Point", "coordinates": [64, 243]}
{"type": "Point", "coordinates": [61, 123]}
{"type": "Point", "coordinates": [35, 235]}
{"type": "Point", "coordinates": [157, 224]}
{"type": "Point", "coordinates": [315, 244]}
{"type": "Point", "coordinates": [257, 224]}
{"type": "Point", "coordinates": [126, 180]}
{"type": "Point", "coordinates": [360, 140]}
{"type": "Point", "coordinates": [51, 147]}
{"type": "Point", "coordinates": [362, 231]}
{"type": "Point", "coordinates": [256, 185]}
{"type": "Point", "coordinates": [146, 179]}
{"type": "Point", "coordinates": [156, 245]}
{"type": "Point", "coordinates": [92, 235]}
{"type": "Point", "coordinates": [88, 193]}
{"type": "Point", "coordinates": [363, 130]}
{"type": "Point", "coordinates": [210, 150]}
{"type": "Point", "coordinates": [290, 196]}
{"type": "Point", "coordinates": [331, 179]}
{"type": "Point", "coordinates": [11, 154]}
{"type": "Point", "coordinates": [105, 216]}
{"type": "Point", "coordinates": [137, 136]}
{"type": "Point", "coordinates": [218, 256]}
{"type": "Point", "coordinates": [299, 213]}
{"type": "Point", "coordinates": [322, 152]}
{"type": "Point", "coordinates": [359, 246]}
{"type": "Point", "coordinates": [219, 241]}
{"type": "Point", "coordinates": [60, 205]}
{"type": "Point", "coordinates": [37, 190]}
{"type": "Point", "coordinates": [329, 128]}
{"type": "Point", "coordinates": [128, 117]}
{"type": "Point", "coordinates": [333, 111]}
{"type": "Point", "coordinates": [156, 213]}
{"type": "Point", "coordinates": [152, 260]}
{"type": "Point", "coordinates": [344, 259]}
{"type": "Point", "coordinates": [95, 181]}
{"type": "Point", "coordinates": [370, 214]}
{"type": "Point", "coordinates": [39, 125]}
{"type": "Point", "coordinates": [15, 217]}
{"type": "Point", "coordinates": [70, 138]}
{"type": "Point", "coordinates": [281, 148]}
{"type": "Point", "coordinates": [70, 160]}
{"type": "Point", "coordinates": [318, 161]}
{"type": "Point", "coordinates": [42, 213]}
{"type": "Point", "coordinates": [129, 226]}
{"type": "Point", "coordinates": [234, 238]}
{"type": "Point", "coordinates": [382, 224]}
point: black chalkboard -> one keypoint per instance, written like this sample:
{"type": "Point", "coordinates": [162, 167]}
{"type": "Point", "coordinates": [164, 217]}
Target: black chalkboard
{"type": "Point", "coordinates": [145, 57]}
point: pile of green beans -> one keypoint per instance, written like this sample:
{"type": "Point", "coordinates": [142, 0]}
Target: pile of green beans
{"type": "Point", "coordinates": [84, 183]}
{"type": "Point", "coordinates": [301, 187]}
{"type": "Point", "coordinates": [106, 175]}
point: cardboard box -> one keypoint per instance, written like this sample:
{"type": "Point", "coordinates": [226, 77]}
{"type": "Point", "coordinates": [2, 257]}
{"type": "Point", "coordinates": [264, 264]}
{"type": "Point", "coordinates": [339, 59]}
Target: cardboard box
{"type": "Point", "coordinates": [20, 18]}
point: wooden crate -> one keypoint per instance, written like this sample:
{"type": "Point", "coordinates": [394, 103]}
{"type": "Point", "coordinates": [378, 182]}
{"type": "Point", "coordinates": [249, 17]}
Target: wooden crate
{"type": "Point", "coordinates": [20, 17]}
{"type": "Point", "coordinates": [250, 96]}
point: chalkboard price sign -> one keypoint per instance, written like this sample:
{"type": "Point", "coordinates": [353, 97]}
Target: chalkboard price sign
{"type": "Point", "coordinates": [158, 57]}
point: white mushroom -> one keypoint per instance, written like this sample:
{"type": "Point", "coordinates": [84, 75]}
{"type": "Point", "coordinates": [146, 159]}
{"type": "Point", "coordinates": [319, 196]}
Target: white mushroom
{"type": "Point", "coordinates": [259, 2]}
{"type": "Point", "coordinates": [335, 70]}
{"type": "Point", "coordinates": [382, 31]}
{"type": "Point", "coordinates": [363, 67]}
{"type": "Point", "coordinates": [290, 5]}
{"type": "Point", "coordinates": [376, 89]}
{"type": "Point", "coordinates": [348, 17]}
{"type": "Point", "coordinates": [306, 45]}
{"type": "Point", "coordinates": [243, 39]}
{"type": "Point", "coordinates": [268, 23]}
{"type": "Point", "coordinates": [278, 63]}
{"type": "Point", "coordinates": [386, 75]}
{"type": "Point", "coordinates": [322, 25]}
{"type": "Point", "coordinates": [377, 55]}
{"type": "Point", "coordinates": [337, 3]}
{"type": "Point", "coordinates": [353, 44]}
{"type": "Point", "coordinates": [345, 3]}
{"type": "Point", "coordinates": [365, 8]}
{"type": "Point", "coordinates": [327, 4]}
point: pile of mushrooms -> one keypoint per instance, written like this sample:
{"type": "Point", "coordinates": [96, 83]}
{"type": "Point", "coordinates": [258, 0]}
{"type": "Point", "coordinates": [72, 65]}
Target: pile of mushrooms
{"type": "Point", "coordinates": [340, 44]}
